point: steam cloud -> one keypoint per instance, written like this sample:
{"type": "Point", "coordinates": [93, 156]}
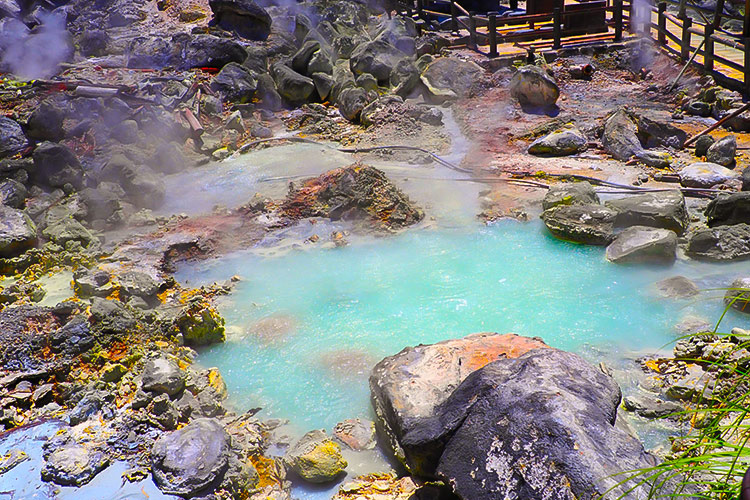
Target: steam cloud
{"type": "Point", "coordinates": [37, 53]}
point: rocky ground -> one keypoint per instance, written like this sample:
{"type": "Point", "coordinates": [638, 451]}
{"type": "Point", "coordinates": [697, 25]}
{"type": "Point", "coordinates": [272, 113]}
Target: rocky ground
{"type": "Point", "coordinates": [136, 91]}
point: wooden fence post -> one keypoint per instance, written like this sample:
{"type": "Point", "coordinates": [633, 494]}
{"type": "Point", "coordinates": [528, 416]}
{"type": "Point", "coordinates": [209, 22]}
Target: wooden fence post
{"type": "Point", "coordinates": [472, 30]}
{"type": "Point", "coordinates": [420, 9]}
{"type": "Point", "coordinates": [632, 11]}
{"type": "Point", "coordinates": [717, 14]}
{"type": "Point", "coordinates": [556, 28]}
{"type": "Point", "coordinates": [492, 32]}
{"type": "Point", "coordinates": [687, 23]}
{"type": "Point", "coordinates": [708, 48]}
{"type": "Point", "coordinates": [661, 35]}
{"type": "Point", "coordinates": [454, 16]}
{"type": "Point", "coordinates": [513, 4]}
{"type": "Point", "coordinates": [618, 19]}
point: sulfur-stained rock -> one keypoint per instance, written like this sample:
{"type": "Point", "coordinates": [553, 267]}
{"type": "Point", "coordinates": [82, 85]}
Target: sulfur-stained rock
{"type": "Point", "coordinates": [532, 86]}
{"type": "Point", "coordinates": [664, 210]}
{"type": "Point", "coordinates": [562, 142]}
{"type": "Point", "coordinates": [73, 465]}
{"type": "Point", "coordinates": [570, 193]}
{"type": "Point", "coordinates": [162, 375]}
{"type": "Point", "coordinates": [316, 458]}
{"type": "Point", "coordinates": [589, 224]}
{"type": "Point", "coordinates": [705, 175]}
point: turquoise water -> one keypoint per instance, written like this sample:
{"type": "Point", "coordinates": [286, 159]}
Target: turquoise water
{"type": "Point", "coordinates": [305, 328]}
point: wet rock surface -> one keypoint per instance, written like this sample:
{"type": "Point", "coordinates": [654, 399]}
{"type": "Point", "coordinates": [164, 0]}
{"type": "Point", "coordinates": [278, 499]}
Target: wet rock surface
{"type": "Point", "coordinates": [316, 458]}
{"type": "Point", "coordinates": [721, 243]}
{"type": "Point", "coordinates": [643, 244]}
{"type": "Point", "coordinates": [590, 224]}
{"type": "Point", "coordinates": [660, 210]}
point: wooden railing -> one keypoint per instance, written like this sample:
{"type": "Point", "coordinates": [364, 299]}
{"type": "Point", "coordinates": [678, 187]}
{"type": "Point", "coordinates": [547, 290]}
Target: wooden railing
{"type": "Point", "coordinates": [492, 29]}
{"type": "Point", "coordinates": [702, 45]}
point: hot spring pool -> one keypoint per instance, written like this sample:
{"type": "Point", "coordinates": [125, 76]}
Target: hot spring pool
{"type": "Point", "coordinates": [304, 328]}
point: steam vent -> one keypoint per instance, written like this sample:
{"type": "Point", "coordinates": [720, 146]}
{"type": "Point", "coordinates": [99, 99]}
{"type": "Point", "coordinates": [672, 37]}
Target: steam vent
{"type": "Point", "coordinates": [374, 249]}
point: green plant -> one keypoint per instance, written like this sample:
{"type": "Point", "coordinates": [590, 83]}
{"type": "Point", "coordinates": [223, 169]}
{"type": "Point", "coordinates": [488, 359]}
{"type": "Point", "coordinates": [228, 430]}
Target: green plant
{"type": "Point", "coordinates": [710, 462]}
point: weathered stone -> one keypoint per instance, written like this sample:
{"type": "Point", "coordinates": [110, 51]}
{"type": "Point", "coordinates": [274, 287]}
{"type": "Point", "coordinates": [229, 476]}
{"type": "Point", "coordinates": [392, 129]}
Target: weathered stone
{"type": "Point", "coordinates": [677, 287]}
{"type": "Point", "coordinates": [12, 138]}
{"type": "Point", "coordinates": [643, 245]}
{"type": "Point", "coordinates": [46, 122]}
{"type": "Point", "coordinates": [727, 209]}
{"type": "Point", "coordinates": [68, 229]}
{"type": "Point", "coordinates": [746, 179]}
{"type": "Point", "coordinates": [377, 107]}
{"type": "Point", "coordinates": [541, 425]}
{"type": "Point", "coordinates": [589, 224]}
{"type": "Point", "coordinates": [351, 103]}
{"type": "Point", "coordinates": [207, 51]}
{"type": "Point", "coordinates": [620, 137]}
{"type": "Point", "coordinates": [302, 58]}
{"type": "Point", "coordinates": [236, 83]}
{"type": "Point", "coordinates": [200, 324]}
{"type": "Point", "coordinates": [696, 385]}
{"type": "Point", "coordinates": [377, 57]}
{"type": "Point", "coordinates": [705, 175]}
{"type": "Point", "coordinates": [323, 85]}
{"type": "Point", "coordinates": [653, 132]}
{"type": "Point", "coordinates": [55, 165]}
{"type": "Point", "coordinates": [413, 383]}
{"type": "Point", "coordinates": [316, 458]}
{"type": "Point", "coordinates": [163, 376]}
{"type": "Point", "coordinates": [73, 465]}
{"type": "Point", "coordinates": [664, 210]}
{"type": "Point", "coordinates": [532, 86]}
{"type": "Point", "coordinates": [191, 460]}
{"type": "Point", "coordinates": [570, 193]}
{"type": "Point", "coordinates": [738, 295]}
{"type": "Point", "coordinates": [366, 82]}
{"type": "Point", "coordinates": [244, 17]}
{"type": "Point", "coordinates": [17, 232]}
{"type": "Point", "coordinates": [135, 283]}
{"type": "Point", "coordinates": [355, 433]}
{"type": "Point", "coordinates": [721, 243]}
{"type": "Point", "coordinates": [651, 407]}
{"type": "Point", "coordinates": [292, 86]}
{"type": "Point", "coordinates": [722, 151]}
{"type": "Point", "coordinates": [449, 77]}
{"type": "Point", "coordinates": [702, 144]}
{"type": "Point", "coordinates": [563, 142]}
{"type": "Point", "coordinates": [405, 77]}
{"type": "Point", "coordinates": [12, 193]}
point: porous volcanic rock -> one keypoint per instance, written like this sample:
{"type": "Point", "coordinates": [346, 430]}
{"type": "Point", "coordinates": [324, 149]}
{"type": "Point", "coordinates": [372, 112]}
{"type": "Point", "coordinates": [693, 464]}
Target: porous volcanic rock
{"type": "Point", "coordinates": [721, 243]}
{"type": "Point", "coordinates": [727, 209]}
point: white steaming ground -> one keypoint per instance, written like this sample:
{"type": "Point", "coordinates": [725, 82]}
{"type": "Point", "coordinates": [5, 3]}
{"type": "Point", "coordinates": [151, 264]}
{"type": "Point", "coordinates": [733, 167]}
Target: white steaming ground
{"type": "Point", "coordinates": [31, 54]}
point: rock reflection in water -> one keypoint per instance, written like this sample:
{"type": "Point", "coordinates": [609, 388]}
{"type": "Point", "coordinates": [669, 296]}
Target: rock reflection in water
{"type": "Point", "coordinates": [348, 363]}
{"type": "Point", "coordinates": [273, 329]}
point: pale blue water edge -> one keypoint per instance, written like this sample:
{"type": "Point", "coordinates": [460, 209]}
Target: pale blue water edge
{"type": "Point", "coordinates": [346, 308]}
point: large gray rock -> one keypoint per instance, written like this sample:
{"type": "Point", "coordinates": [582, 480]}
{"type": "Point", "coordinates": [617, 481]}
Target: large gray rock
{"type": "Point", "coordinates": [589, 224]}
{"type": "Point", "coordinates": [17, 232]}
{"type": "Point", "coordinates": [12, 138]}
{"type": "Point", "coordinates": [405, 77]}
{"type": "Point", "coordinates": [449, 77]}
{"type": "Point", "coordinates": [207, 51]}
{"type": "Point", "coordinates": [620, 137]}
{"type": "Point", "coordinates": [654, 132]}
{"type": "Point", "coordinates": [702, 144]}
{"type": "Point", "coordinates": [316, 458]}
{"type": "Point", "coordinates": [46, 122]}
{"type": "Point", "coordinates": [410, 385]}
{"type": "Point", "coordinates": [244, 17]}
{"type": "Point", "coordinates": [191, 460]}
{"type": "Point", "coordinates": [292, 86]}
{"type": "Point", "coordinates": [532, 86]}
{"type": "Point", "coordinates": [73, 465]}
{"type": "Point", "coordinates": [301, 59]}
{"type": "Point", "coordinates": [705, 175]}
{"type": "Point", "coordinates": [563, 142]}
{"type": "Point", "coordinates": [236, 83]}
{"type": "Point", "coordinates": [12, 193]}
{"type": "Point", "coordinates": [55, 165]}
{"type": "Point", "coordinates": [540, 426]}
{"type": "Point", "coordinates": [351, 103]}
{"type": "Point", "coordinates": [661, 209]}
{"type": "Point", "coordinates": [728, 209]}
{"type": "Point", "coordinates": [721, 243]}
{"type": "Point", "coordinates": [144, 187]}
{"type": "Point", "coordinates": [162, 375]}
{"type": "Point", "coordinates": [722, 151]}
{"type": "Point", "coordinates": [640, 244]}
{"type": "Point", "coordinates": [570, 193]}
{"type": "Point", "coordinates": [738, 295]}
{"type": "Point", "coordinates": [377, 58]}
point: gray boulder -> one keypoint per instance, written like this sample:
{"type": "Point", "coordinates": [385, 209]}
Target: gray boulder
{"type": "Point", "coordinates": [12, 138]}
{"type": "Point", "coordinates": [738, 295]}
{"type": "Point", "coordinates": [302, 58]}
{"type": "Point", "coordinates": [208, 51]}
{"type": "Point", "coordinates": [677, 287]}
{"type": "Point", "coordinates": [377, 57]}
{"type": "Point", "coordinates": [570, 193]}
{"type": "Point", "coordinates": [722, 152]}
{"type": "Point", "coordinates": [144, 187]}
{"type": "Point", "coordinates": [563, 142]}
{"type": "Point", "coordinates": [702, 144]}
{"type": "Point", "coordinates": [746, 179]}
{"type": "Point", "coordinates": [17, 232]}
{"type": "Point", "coordinates": [321, 62]}
{"type": "Point", "coordinates": [12, 193]}
{"type": "Point", "coordinates": [323, 85]}
{"type": "Point", "coordinates": [163, 376]}
{"type": "Point", "coordinates": [243, 17]}
{"type": "Point", "coordinates": [191, 460]}
{"type": "Point", "coordinates": [661, 210]}
{"type": "Point", "coordinates": [269, 96]}
{"type": "Point", "coordinates": [236, 83]}
{"type": "Point", "coordinates": [721, 243]}
{"type": "Point", "coordinates": [366, 82]}
{"type": "Point", "coordinates": [73, 465]}
{"type": "Point", "coordinates": [620, 137]}
{"type": "Point", "coordinates": [728, 209]}
{"type": "Point", "coordinates": [449, 77]}
{"type": "Point", "coordinates": [640, 244]}
{"type": "Point", "coordinates": [351, 103]}
{"type": "Point", "coordinates": [539, 426]}
{"type": "Point", "coordinates": [292, 86]}
{"type": "Point", "coordinates": [55, 165]}
{"type": "Point", "coordinates": [653, 132]}
{"type": "Point", "coordinates": [532, 86]}
{"type": "Point", "coordinates": [589, 224]}
{"type": "Point", "coordinates": [405, 77]}
{"type": "Point", "coordinates": [651, 407]}
{"type": "Point", "coordinates": [705, 175]}
{"type": "Point", "coordinates": [46, 122]}
{"type": "Point", "coordinates": [138, 284]}
{"type": "Point", "coordinates": [68, 229]}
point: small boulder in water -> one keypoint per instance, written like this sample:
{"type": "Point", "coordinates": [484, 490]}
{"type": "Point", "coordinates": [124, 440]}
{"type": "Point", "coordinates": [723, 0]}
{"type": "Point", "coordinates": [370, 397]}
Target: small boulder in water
{"type": "Point", "coordinates": [356, 433]}
{"type": "Point", "coordinates": [721, 243]}
{"type": "Point", "coordinates": [532, 86]}
{"type": "Point", "coordinates": [677, 287]}
{"type": "Point", "coordinates": [643, 245]}
{"type": "Point", "coordinates": [738, 295]}
{"type": "Point", "coordinates": [664, 210]}
{"type": "Point", "coordinates": [570, 193]}
{"type": "Point", "coordinates": [563, 142]}
{"type": "Point", "coordinates": [589, 224]}
{"type": "Point", "coordinates": [316, 458]}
